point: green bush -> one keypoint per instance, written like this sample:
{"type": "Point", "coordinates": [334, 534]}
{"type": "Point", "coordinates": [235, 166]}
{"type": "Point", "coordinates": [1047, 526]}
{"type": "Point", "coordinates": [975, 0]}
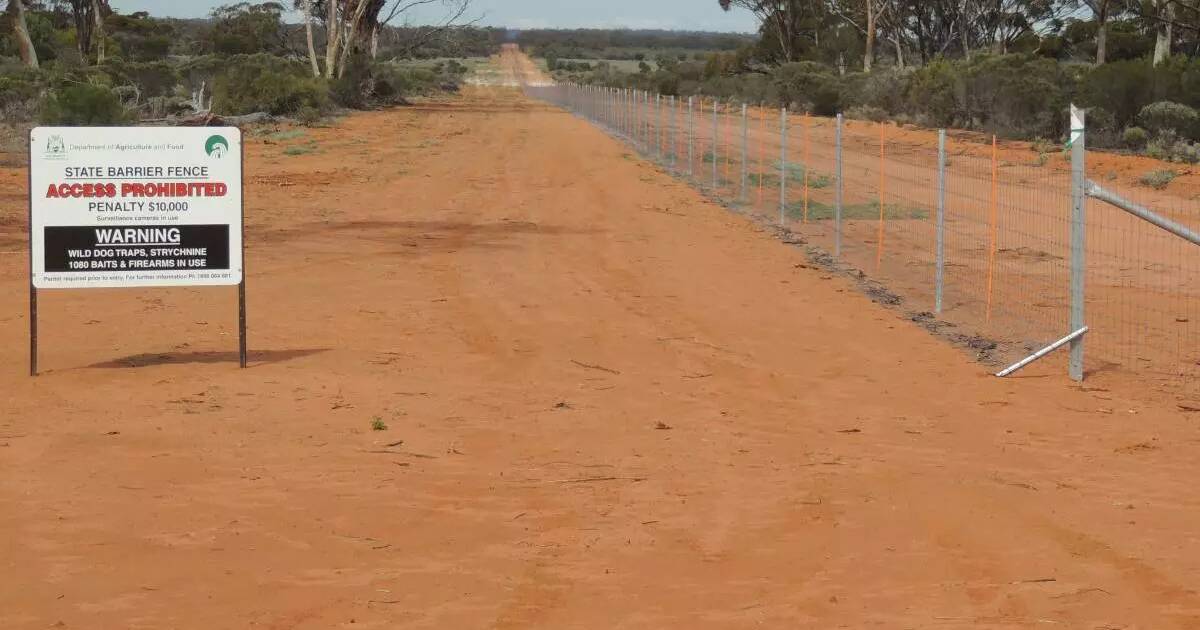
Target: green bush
{"type": "Point", "coordinates": [1165, 115]}
{"type": "Point", "coordinates": [20, 92]}
{"type": "Point", "coordinates": [264, 83]}
{"type": "Point", "coordinates": [151, 79]}
{"type": "Point", "coordinates": [935, 92]}
{"type": "Point", "coordinates": [1121, 87]}
{"type": "Point", "coordinates": [84, 105]}
{"type": "Point", "coordinates": [1135, 138]}
{"type": "Point", "coordinates": [1158, 180]}
{"type": "Point", "coordinates": [866, 112]}
{"type": "Point", "coordinates": [810, 85]}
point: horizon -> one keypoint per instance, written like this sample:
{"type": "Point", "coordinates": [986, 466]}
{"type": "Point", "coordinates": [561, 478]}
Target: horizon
{"type": "Point", "coordinates": [633, 15]}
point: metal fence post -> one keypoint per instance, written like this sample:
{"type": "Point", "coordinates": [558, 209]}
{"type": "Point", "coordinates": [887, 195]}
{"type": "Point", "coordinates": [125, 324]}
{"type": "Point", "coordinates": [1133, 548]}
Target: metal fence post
{"type": "Point", "coordinates": [1078, 225]}
{"type": "Point", "coordinates": [782, 165]}
{"type": "Point", "coordinates": [674, 135]}
{"type": "Point", "coordinates": [691, 137]}
{"type": "Point", "coordinates": [716, 181]}
{"type": "Point", "coordinates": [658, 125]}
{"type": "Point", "coordinates": [745, 150]}
{"type": "Point", "coordinates": [941, 223]}
{"type": "Point", "coordinates": [647, 118]}
{"type": "Point", "coordinates": [837, 202]}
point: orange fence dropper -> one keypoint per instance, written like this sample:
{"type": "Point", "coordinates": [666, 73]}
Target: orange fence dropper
{"type": "Point", "coordinates": [879, 236]}
{"type": "Point", "coordinates": [762, 149]}
{"type": "Point", "coordinates": [807, 161]}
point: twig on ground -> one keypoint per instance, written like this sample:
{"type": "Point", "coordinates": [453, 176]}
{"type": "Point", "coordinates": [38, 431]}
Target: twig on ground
{"type": "Point", "coordinates": [594, 367]}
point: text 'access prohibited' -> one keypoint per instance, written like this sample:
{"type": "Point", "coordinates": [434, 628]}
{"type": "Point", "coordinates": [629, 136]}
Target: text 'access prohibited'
{"type": "Point", "coordinates": [129, 207]}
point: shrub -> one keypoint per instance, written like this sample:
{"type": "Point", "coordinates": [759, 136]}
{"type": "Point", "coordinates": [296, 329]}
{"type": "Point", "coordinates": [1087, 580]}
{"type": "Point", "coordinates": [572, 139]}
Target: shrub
{"type": "Point", "coordinates": [1168, 146]}
{"type": "Point", "coordinates": [1122, 87]}
{"type": "Point", "coordinates": [263, 83]}
{"type": "Point", "coordinates": [1015, 95]}
{"type": "Point", "coordinates": [86, 105]}
{"type": "Point", "coordinates": [20, 93]}
{"type": "Point", "coordinates": [935, 91]}
{"type": "Point", "coordinates": [882, 89]}
{"type": "Point", "coordinates": [1158, 180]}
{"type": "Point", "coordinates": [151, 79]}
{"type": "Point", "coordinates": [866, 112]}
{"type": "Point", "coordinates": [1135, 137]}
{"type": "Point", "coordinates": [1166, 115]}
{"type": "Point", "coordinates": [809, 84]}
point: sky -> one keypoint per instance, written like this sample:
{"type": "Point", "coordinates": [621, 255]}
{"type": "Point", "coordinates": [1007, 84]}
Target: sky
{"type": "Point", "coordinates": [651, 14]}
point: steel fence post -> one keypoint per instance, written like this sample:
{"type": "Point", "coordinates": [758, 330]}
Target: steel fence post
{"type": "Point", "coordinates": [716, 181]}
{"type": "Point", "coordinates": [646, 121]}
{"type": "Point", "coordinates": [838, 192]}
{"type": "Point", "coordinates": [783, 165]}
{"type": "Point", "coordinates": [674, 134]}
{"type": "Point", "coordinates": [691, 137]}
{"type": "Point", "coordinates": [941, 223]}
{"type": "Point", "coordinates": [1078, 235]}
{"type": "Point", "coordinates": [745, 149]}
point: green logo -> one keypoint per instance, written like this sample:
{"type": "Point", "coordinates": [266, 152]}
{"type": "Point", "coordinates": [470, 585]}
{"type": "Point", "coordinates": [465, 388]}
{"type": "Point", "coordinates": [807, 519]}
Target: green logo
{"type": "Point", "coordinates": [217, 146]}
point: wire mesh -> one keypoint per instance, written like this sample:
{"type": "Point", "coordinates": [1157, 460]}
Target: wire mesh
{"type": "Point", "coordinates": [1005, 234]}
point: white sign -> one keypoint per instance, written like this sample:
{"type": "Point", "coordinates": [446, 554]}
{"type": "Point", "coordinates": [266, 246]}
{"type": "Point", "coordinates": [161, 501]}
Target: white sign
{"type": "Point", "coordinates": [135, 206]}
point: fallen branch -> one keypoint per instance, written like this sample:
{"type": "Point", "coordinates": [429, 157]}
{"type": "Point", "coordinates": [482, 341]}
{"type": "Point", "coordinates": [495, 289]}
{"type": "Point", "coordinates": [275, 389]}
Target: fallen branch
{"type": "Point", "coordinates": [596, 479]}
{"type": "Point", "coordinates": [594, 367]}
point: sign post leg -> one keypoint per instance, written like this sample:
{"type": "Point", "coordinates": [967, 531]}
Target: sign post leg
{"type": "Point", "coordinates": [242, 323]}
{"type": "Point", "coordinates": [33, 331]}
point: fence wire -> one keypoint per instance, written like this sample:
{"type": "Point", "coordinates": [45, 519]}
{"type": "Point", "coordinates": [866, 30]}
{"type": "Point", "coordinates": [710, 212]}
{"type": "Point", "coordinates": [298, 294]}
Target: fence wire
{"type": "Point", "coordinates": [969, 232]}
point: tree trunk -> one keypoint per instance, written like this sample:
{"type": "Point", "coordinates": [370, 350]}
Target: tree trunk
{"type": "Point", "coordinates": [869, 53]}
{"type": "Point", "coordinates": [1163, 36]}
{"type": "Point", "coordinates": [350, 36]}
{"type": "Point", "coordinates": [16, 9]}
{"type": "Point", "coordinates": [312, 46]}
{"type": "Point", "coordinates": [83, 30]}
{"type": "Point", "coordinates": [333, 39]}
{"type": "Point", "coordinates": [375, 42]}
{"type": "Point", "coordinates": [899, 53]}
{"type": "Point", "coordinates": [1102, 34]}
{"type": "Point", "coordinates": [98, 33]}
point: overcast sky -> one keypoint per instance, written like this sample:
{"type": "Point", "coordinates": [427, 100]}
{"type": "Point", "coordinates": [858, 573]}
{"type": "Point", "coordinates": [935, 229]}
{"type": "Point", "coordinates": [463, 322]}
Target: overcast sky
{"type": "Point", "coordinates": [660, 14]}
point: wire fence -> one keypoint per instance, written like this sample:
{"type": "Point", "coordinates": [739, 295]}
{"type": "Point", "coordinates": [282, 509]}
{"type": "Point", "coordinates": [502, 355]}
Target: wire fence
{"type": "Point", "coordinates": [975, 236]}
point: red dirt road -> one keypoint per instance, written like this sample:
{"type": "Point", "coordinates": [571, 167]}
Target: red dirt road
{"type": "Point", "coordinates": [610, 404]}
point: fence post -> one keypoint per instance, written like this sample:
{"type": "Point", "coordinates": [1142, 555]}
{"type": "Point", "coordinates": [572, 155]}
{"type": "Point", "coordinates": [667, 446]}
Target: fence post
{"type": "Point", "coordinates": [674, 135]}
{"type": "Point", "coordinates": [837, 201]}
{"type": "Point", "coordinates": [782, 165]}
{"type": "Point", "coordinates": [941, 223]}
{"type": "Point", "coordinates": [745, 148]}
{"type": "Point", "coordinates": [691, 137]}
{"type": "Point", "coordinates": [715, 139]}
{"type": "Point", "coordinates": [1078, 225]}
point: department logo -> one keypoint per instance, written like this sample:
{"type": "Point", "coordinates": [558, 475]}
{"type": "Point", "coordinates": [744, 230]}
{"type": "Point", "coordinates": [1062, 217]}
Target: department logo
{"type": "Point", "coordinates": [56, 149]}
{"type": "Point", "coordinates": [217, 146]}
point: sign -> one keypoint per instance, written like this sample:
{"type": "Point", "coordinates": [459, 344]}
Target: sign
{"type": "Point", "coordinates": [135, 207]}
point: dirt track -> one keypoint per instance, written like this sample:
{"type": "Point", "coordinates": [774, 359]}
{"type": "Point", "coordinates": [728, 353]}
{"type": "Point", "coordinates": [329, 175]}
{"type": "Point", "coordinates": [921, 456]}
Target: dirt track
{"type": "Point", "coordinates": [610, 405]}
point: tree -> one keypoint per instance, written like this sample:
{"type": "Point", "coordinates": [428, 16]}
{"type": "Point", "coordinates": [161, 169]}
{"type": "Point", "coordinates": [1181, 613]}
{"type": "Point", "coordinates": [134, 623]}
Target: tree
{"type": "Point", "coordinates": [864, 15]}
{"type": "Point", "coordinates": [354, 25]}
{"type": "Point", "coordinates": [307, 7]}
{"type": "Point", "coordinates": [782, 21]}
{"type": "Point", "coordinates": [89, 16]}
{"type": "Point", "coordinates": [1165, 10]}
{"type": "Point", "coordinates": [16, 14]}
{"type": "Point", "coordinates": [1100, 12]}
{"type": "Point", "coordinates": [246, 28]}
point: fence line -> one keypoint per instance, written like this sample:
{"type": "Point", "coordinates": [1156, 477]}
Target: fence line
{"type": "Point", "coordinates": [1005, 245]}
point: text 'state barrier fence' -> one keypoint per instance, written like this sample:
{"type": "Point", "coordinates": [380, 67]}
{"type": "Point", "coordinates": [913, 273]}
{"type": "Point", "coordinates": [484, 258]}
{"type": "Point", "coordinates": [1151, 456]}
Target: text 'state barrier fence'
{"type": "Point", "coordinates": [1015, 252]}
